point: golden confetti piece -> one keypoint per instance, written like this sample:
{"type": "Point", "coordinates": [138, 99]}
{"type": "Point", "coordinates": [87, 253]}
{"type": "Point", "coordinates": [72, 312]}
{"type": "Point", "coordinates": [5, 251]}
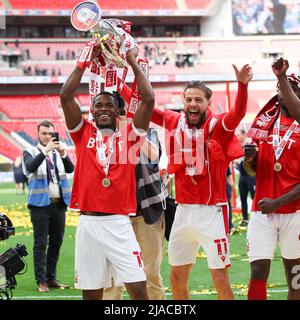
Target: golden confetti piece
{"type": "Point", "coordinates": [276, 285]}
{"type": "Point", "coordinates": [240, 286]}
{"type": "Point", "coordinates": [201, 255]}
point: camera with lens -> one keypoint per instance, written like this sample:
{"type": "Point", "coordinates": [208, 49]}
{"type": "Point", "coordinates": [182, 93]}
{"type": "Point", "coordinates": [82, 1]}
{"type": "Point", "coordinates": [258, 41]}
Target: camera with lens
{"type": "Point", "coordinates": [11, 261]}
{"type": "Point", "coordinates": [6, 227]}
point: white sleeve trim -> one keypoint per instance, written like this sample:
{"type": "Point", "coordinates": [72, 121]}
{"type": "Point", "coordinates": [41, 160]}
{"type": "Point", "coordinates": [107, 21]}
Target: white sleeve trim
{"type": "Point", "coordinates": [212, 124]}
{"type": "Point", "coordinates": [139, 132]}
{"type": "Point", "coordinates": [225, 128]}
{"type": "Point", "coordinates": [77, 128]}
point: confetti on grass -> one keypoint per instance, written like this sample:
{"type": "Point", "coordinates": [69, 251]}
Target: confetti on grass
{"type": "Point", "coordinates": [19, 214]}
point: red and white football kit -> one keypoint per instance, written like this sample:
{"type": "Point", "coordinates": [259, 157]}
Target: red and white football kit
{"type": "Point", "coordinates": [106, 245]}
{"type": "Point", "coordinates": [88, 192]}
{"type": "Point", "coordinates": [201, 216]}
{"type": "Point", "coordinates": [283, 226]}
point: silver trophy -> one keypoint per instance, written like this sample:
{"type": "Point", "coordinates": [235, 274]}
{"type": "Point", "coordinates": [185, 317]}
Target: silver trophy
{"type": "Point", "coordinates": [111, 35]}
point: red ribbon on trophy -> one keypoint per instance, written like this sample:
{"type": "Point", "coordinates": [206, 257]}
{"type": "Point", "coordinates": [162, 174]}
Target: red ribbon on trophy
{"type": "Point", "coordinates": [114, 39]}
{"type": "Point", "coordinates": [135, 98]}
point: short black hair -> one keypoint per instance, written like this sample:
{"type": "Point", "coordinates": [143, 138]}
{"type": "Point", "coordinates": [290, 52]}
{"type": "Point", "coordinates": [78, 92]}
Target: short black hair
{"type": "Point", "coordinates": [45, 123]}
{"type": "Point", "coordinates": [118, 99]}
{"type": "Point", "coordinates": [199, 85]}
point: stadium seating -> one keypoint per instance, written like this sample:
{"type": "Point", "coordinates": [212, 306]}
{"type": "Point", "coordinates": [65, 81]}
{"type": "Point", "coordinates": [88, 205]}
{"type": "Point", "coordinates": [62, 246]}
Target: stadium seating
{"type": "Point", "coordinates": [49, 50]}
{"type": "Point", "coordinates": [43, 4]}
{"type": "Point", "coordinates": [8, 149]}
{"type": "Point", "coordinates": [25, 123]}
{"type": "Point", "coordinates": [30, 107]}
{"type": "Point", "coordinates": [108, 4]}
{"type": "Point", "coordinates": [198, 4]}
{"type": "Point", "coordinates": [52, 68]}
{"type": "Point", "coordinates": [10, 72]}
{"type": "Point", "coordinates": [208, 55]}
{"type": "Point", "coordinates": [30, 127]}
{"type": "Point", "coordinates": [105, 4]}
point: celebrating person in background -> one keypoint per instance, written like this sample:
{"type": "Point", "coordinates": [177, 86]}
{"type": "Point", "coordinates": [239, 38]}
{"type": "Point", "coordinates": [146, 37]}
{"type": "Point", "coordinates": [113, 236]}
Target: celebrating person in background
{"type": "Point", "coordinates": [276, 217]}
{"type": "Point", "coordinates": [201, 146]}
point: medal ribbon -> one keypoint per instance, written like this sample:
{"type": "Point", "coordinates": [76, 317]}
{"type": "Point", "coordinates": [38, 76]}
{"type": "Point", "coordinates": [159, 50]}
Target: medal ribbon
{"type": "Point", "coordinates": [279, 146]}
{"type": "Point", "coordinates": [183, 131]}
{"type": "Point", "coordinates": [104, 153]}
{"type": "Point", "coordinates": [95, 81]}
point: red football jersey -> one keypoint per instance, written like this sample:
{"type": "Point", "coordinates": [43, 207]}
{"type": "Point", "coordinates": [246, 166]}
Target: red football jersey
{"type": "Point", "coordinates": [210, 186]}
{"type": "Point", "coordinates": [88, 193]}
{"type": "Point", "coordinates": [272, 184]}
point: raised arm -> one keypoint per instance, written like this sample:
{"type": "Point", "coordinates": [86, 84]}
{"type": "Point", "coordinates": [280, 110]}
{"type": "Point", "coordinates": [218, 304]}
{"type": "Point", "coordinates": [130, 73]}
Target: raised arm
{"type": "Point", "coordinates": [67, 98]}
{"type": "Point", "coordinates": [143, 114]}
{"type": "Point", "coordinates": [157, 115]}
{"type": "Point", "coordinates": [67, 95]}
{"type": "Point", "coordinates": [291, 100]}
{"type": "Point", "coordinates": [236, 114]}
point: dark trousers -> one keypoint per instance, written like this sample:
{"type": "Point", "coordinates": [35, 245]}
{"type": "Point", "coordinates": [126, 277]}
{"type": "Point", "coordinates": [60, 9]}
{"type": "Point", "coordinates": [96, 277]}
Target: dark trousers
{"type": "Point", "coordinates": [48, 229]}
{"type": "Point", "coordinates": [246, 185]}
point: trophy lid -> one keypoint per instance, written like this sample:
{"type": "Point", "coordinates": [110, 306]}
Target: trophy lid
{"type": "Point", "coordinates": [85, 16]}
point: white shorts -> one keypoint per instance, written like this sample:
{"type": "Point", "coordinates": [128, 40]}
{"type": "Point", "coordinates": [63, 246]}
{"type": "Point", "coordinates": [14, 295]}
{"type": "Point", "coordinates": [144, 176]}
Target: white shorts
{"type": "Point", "coordinates": [266, 231]}
{"type": "Point", "coordinates": [106, 248]}
{"type": "Point", "coordinates": [199, 225]}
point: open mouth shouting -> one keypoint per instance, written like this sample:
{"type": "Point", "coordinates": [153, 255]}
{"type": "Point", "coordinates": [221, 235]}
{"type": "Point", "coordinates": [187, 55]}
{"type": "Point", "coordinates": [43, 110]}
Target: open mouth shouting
{"type": "Point", "coordinates": [194, 116]}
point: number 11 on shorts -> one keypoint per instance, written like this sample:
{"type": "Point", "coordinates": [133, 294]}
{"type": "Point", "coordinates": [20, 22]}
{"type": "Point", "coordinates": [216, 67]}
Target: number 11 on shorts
{"type": "Point", "coordinates": [219, 243]}
{"type": "Point", "coordinates": [139, 258]}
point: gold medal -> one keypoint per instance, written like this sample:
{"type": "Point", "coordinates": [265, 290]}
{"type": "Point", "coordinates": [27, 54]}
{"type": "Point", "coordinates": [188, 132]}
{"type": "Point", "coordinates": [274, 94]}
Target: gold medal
{"type": "Point", "coordinates": [277, 166]}
{"type": "Point", "coordinates": [106, 182]}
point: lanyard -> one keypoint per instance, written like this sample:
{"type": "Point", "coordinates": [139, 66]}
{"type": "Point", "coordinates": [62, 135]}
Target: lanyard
{"type": "Point", "coordinates": [279, 146]}
{"type": "Point", "coordinates": [104, 153]}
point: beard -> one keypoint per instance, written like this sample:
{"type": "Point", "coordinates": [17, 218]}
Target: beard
{"type": "Point", "coordinates": [200, 121]}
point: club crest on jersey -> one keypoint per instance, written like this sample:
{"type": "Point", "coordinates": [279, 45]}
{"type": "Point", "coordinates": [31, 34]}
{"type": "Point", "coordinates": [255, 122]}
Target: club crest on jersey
{"type": "Point", "coordinates": [263, 120]}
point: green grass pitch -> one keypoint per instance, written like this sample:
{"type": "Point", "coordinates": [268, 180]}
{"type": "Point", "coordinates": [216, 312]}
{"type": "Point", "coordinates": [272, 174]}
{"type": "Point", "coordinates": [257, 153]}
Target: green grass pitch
{"type": "Point", "coordinates": [200, 282]}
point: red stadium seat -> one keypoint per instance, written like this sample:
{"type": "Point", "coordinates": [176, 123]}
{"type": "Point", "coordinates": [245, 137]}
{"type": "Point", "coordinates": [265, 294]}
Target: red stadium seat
{"type": "Point", "coordinates": [198, 4]}
{"type": "Point", "coordinates": [30, 107]}
{"type": "Point", "coordinates": [8, 149]}
{"type": "Point", "coordinates": [43, 4]}
{"type": "Point", "coordinates": [109, 5]}
{"type": "Point", "coordinates": [104, 4]}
